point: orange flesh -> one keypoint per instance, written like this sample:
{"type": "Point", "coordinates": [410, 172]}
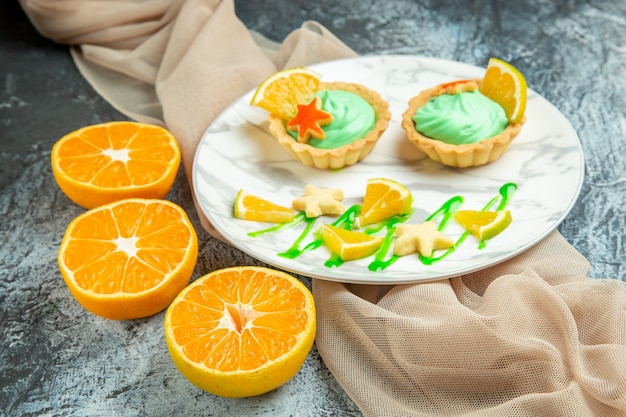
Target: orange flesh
{"type": "Point", "coordinates": [151, 233]}
{"type": "Point", "coordinates": [119, 155]}
{"type": "Point", "coordinates": [381, 202]}
{"type": "Point", "coordinates": [232, 330]}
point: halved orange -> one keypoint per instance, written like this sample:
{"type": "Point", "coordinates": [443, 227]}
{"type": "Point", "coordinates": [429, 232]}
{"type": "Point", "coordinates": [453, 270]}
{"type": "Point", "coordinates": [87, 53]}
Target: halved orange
{"type": "Point", "coordinates": [282, 91]}
{"type": "Point", "coordinates": [251, 207]}
{"type": "Point", "coordinates": [130, 258]}
{"type": "Point", "coordinates": [384, 198]}
{"type": "Point", "coordinates": [241, 331]}
{"type": "Point", "coordinates": [504, 84]}
{"type": "Point", "coordinates": [102, 163]}
{"type": "Point", "coordinates": [349, 244]}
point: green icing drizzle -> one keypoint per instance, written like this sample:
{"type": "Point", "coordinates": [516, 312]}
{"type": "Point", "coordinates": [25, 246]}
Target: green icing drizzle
{"type": "Point", "coordinates": [353, 118]}
{"type": "Point", "coordinates": [461, 118]}
{"type": "Point", "coordinates": [381, 260]}
{"type": "Point", "coordinates": [345, 220]}
{"type": "Point", "coordinates": [380, 263]}
{"type": "Point", "coordinates": [506, 193]}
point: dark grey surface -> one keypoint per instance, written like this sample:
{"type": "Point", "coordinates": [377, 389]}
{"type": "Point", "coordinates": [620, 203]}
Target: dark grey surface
{"type": "Point", "coordinates": [58, 360]}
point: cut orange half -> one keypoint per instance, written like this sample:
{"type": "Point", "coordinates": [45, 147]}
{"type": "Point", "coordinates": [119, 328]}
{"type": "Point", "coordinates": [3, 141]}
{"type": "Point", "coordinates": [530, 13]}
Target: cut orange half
{"type": "Point", "coordinates": [505, 85]}
{"type": "Point", "coordinates": [384, 198]}
{"type": "Point", "coordinates": [282, 91]}
{"type": "Point", "coordinates": [348, 244]}
{"type": "Point", "coordinates": [107, 162]}
{"type": "Point", "coordinates": [241, 331]}
{"type": "Point", "coordinates": [251, 207]}
{"type": "Point", "coordinates": [130, 258]}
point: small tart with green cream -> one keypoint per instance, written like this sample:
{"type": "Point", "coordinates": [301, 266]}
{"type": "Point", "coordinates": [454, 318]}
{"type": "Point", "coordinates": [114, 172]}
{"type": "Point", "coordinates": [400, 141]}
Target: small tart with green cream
{"type": "Point", "coordinates": [338, 127]}
{"type": "Point", "coordinates": [456, 125]}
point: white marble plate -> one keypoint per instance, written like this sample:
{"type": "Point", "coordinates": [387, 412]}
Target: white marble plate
{"type": "Point", "coordinates": [545, 162]}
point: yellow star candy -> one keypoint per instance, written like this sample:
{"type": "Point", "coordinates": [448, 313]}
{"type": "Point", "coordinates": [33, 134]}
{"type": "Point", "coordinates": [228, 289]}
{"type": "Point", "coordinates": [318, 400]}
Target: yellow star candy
{"type": "Point", "coordinates": [423, 238]}
{"type": "Point", "coordinates": [318, 201]}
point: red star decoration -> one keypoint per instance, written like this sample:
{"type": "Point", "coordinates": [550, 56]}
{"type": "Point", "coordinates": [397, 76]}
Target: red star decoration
{"type": "Point", "coordinates": [309, 120]}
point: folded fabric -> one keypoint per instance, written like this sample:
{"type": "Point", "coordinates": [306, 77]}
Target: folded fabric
{"type": "Point", "coordinates": [532, 336]}
{"type": "Point", "coordinates": [176, 63]}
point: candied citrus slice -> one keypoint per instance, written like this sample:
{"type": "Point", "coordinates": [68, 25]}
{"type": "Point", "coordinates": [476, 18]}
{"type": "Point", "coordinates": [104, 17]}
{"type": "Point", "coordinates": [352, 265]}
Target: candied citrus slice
{"type": "Point", "coordinates": [130, 258]}
{"type": "Point", "coordinates": [384, 198]}
{"type": "Point", "coordinates": [102, 163]}
{"type": "Point", "coordinates": [309, 120]}
{"type": "Point", "coordinates": [505, 85]}
{"type": "Point", "coordinates": [484, 225]}
{"type": "Point", "coordinates": [251, 207]}
{"type": "Point", "coordinates": [348, 244]}
{"type": "Point", "coordinates": [282, 91]}
{"type": "Point", "coordinates": [241, 331]}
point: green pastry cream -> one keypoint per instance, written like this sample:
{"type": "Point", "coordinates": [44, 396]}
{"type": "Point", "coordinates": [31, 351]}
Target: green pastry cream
{"type": "Point", "coordinates": [353, 118]}
{"type": "Point", "coordinates": [461, 118]}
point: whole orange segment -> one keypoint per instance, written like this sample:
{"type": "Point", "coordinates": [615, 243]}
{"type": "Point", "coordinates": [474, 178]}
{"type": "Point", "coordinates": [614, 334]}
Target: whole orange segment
{"type": "Point", "coordinates": [102, 163]}
{"type": "Point", "coordinates": [241, 331]}
{"type": "Point", "coordinates": [128, 259]}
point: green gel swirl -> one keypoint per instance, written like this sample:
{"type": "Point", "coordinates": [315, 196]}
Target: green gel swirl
{"type": "Point", "coordinates": [429, 260]}
{"type": "Point", "coordinates": [299, 218]}
{"type": "Point", "coordinates": [446, 211]}
{"type": "Point", "coordinates": [294, 250]}
{"type": "Point", "coordinates": [347, 218]}
{"type": "Point", "coordinates": [379, 263]}
{"type": "Point", "coordinates": [334, 261]}
{"type": "Point", "coordinates": [506, 193]}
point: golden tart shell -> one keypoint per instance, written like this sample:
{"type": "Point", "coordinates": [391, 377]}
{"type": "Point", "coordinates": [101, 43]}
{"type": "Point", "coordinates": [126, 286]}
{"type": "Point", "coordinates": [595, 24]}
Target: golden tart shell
{"type": "Point", "coordinates": [345, 155]}
{"type": "Point", "coordinates": [458, 156]}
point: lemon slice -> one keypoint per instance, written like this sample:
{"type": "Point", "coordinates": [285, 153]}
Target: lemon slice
{"type": "Point", "coordinates": [504, 84]}
{"type": "Point", "coordinates": [251, 207]}
{"type": "Point", "coordinates": [484, 225]}
{"type": "Point", "coordinates": [282, 91]}
{"type": "Point", "coordinates": [348, 244]}
{"type": "Point", "coordinates": [383, 199]}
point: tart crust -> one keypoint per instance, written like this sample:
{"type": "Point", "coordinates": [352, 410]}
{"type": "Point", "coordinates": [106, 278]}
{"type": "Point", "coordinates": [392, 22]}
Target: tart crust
{"type": "Point", "coordinates": [345, 155]}
{"type": "Point", "coordinates": [458, 156]}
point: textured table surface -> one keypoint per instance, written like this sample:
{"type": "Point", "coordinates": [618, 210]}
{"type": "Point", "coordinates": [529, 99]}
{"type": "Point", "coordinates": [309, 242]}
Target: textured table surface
{"type": "Point", "coordinates": [58, 360]}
